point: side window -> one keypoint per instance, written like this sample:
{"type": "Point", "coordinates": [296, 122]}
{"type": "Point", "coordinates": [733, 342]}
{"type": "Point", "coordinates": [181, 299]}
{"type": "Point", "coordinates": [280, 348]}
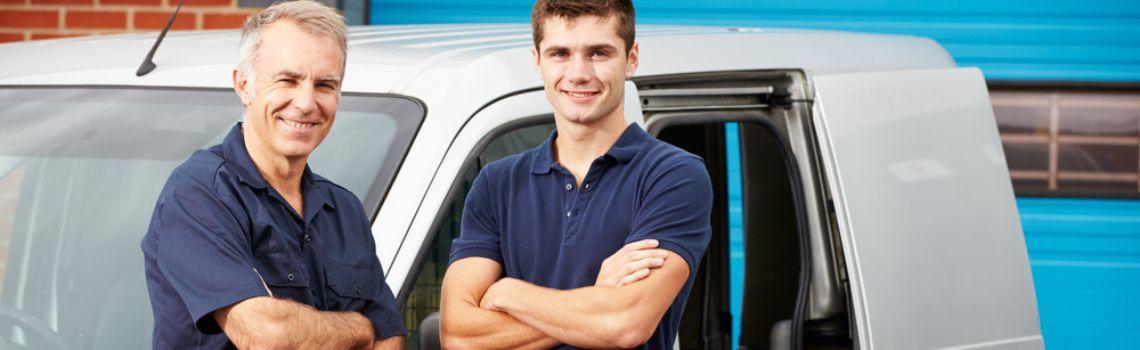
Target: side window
{"type": "Point", "coordinates": [423, 299]}
{"type": "Point", "coordinates": [1069, 142]}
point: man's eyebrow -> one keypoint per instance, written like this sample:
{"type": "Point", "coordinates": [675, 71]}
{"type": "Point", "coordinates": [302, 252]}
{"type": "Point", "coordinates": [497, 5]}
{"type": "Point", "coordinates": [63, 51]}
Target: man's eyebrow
{"type": "Point", "coordinates": [329, 79]}
{"type": "Point", "coordinates": [602, 47]}
{"type": "Point", "coordinates": [554, 49]}
{"type": "Point", "coordinates": [287, 74]}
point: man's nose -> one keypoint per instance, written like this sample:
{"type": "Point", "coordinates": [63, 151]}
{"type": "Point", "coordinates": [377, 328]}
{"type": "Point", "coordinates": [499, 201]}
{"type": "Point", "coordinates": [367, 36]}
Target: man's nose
{"type": "Point", "coordinates": [304, 98]}
{"type": "Point", "coordinates": [580, 71]}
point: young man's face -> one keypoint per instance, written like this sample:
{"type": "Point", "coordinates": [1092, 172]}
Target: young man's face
{"type": "Point", "coordinates": [292, 97]}
{"type": "Point", "coordinates": [584, 66]}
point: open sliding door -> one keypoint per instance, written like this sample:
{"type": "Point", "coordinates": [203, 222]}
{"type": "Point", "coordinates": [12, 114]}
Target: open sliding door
{"type": "Point", "coordinates": [930, 233]}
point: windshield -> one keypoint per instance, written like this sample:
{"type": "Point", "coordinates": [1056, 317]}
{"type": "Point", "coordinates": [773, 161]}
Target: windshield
{"type": "Point", "coordinates": [80, 171]}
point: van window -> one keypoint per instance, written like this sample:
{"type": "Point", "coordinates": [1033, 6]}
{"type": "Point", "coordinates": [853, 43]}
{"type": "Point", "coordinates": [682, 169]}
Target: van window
{"type": "Point", "coordinates": [80, 171]}
{"type": "Point", "coordinates": [423, 300]}
{"type": "Point", "coordinates": [1070, 142]}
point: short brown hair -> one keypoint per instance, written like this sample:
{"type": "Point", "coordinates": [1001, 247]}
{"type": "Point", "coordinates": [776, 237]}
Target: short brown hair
{"type": "Point", "coordinates": [571, 9]}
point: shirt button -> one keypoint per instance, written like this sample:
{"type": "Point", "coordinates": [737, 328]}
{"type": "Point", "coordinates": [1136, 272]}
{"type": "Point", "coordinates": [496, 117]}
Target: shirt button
{"type": "Point", "coordinates": [308, 238]}
{"type": "Point", "coordinates": [569, 187]}
{"type": "Point", "coordinates": [587, 185]}
{"type": "Point", "coordinates": [290, 276]}
{"type": "Point", "coordinates": [568, 213]}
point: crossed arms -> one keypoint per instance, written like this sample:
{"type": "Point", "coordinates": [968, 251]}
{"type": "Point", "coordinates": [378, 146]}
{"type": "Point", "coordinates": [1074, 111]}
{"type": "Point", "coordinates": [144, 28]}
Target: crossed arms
{"type": "Point", "coordinates": [481, 311]}
{"type": "Point", "coordinates": [268, 323]}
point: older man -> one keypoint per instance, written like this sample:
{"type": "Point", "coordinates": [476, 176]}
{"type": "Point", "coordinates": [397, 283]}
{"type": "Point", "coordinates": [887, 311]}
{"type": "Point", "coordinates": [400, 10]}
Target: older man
{"type": "Point", "coordinates": [247, 247]}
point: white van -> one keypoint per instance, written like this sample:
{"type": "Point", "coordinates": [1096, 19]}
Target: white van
{"type": "Point", "coordinates": [877, 207]}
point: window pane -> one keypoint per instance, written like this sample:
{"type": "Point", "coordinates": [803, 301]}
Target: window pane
{"type": "Point", "coordinates": [1022, 112]}
{"type": "Point", "coordinates": [1030, 186]}
{"type": "Point", "coordinates": [1022, 119]}
{"type": "Point", "coordinates": [1098, 158]}
{"type": "Point", "coordinates": [1099, 121]}
{"type": "Point", "coordinates": [80, 169]}
{"type": "Point", "coordinates": [1027, 156]}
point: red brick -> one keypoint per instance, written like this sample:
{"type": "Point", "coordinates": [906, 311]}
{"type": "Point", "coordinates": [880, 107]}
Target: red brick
{"type": "Point", "coordinates": [63, 2]}
{"type": "Point", "coordinates": [223, 20]}
{"type": "Point", "coordinates": [201, 3]}
{"type": "Point", "coordinates": [10, 37]}
{"type": "Point", "coordinates": [157, 20]}
{"type": "Point", "coordinates": [43, 36]}
{"type": "Point", "coordinates": [13, 18]}
{"type": "Point", "coordinates": [96, 19]}
{"type": "Point", "coordinates": [132, 2]}
{"type": "Point", "coordinates": [13, 2]}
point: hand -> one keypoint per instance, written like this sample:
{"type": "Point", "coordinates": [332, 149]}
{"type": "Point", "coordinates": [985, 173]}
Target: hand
{"type": "Point", "coordinates": [495, 292]}
{"type": "Point", "coordinates": [631, 263]}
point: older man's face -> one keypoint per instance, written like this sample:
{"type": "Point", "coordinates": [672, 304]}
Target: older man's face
{"type": "Point", "coordinates": [296, 88]}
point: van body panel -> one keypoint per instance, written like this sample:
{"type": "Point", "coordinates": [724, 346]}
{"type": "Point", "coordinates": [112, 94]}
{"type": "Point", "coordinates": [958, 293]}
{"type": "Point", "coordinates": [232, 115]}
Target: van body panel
{"type": "Point", "coordinates": [934, 250]}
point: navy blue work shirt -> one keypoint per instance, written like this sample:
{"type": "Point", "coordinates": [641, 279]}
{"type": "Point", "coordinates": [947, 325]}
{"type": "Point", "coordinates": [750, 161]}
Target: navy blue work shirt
{"type": "Point", "coordinates": [526, 212]}
{"type": "Point", "coordinates": [220, 234]}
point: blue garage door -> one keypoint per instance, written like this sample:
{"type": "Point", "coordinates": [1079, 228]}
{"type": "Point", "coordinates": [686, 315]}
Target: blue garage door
{"type": "Point", "coordinates": [1068, 40]}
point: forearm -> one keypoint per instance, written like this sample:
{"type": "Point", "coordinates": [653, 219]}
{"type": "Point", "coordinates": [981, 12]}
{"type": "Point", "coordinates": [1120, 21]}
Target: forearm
{"type": "Point", "coordinates": [279, 323]}
{"type": "Point", "coordinates": [589, 317]}
{"type": "Point", "coordinates": [471, 327]}
{"type": "Point", "coordinates": [332, 330]}
{"type": "Point", "coordinates": [465, 325]}
{"type": "Point", "coordinates": [390, 343]}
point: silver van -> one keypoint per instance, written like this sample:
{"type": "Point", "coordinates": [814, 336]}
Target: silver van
{"type": "Point", "coordinates": [877, 207]}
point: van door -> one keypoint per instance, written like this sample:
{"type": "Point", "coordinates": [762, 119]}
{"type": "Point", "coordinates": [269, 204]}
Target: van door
{"type": "Point", "coordinates": [922, 199]}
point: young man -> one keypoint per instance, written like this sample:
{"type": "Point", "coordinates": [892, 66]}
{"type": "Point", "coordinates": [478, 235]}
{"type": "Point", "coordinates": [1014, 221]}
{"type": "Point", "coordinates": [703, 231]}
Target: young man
{"type": "Point", "coordinates": [247, 247]}
{"type": "Point", "coordinates": [540, 260]}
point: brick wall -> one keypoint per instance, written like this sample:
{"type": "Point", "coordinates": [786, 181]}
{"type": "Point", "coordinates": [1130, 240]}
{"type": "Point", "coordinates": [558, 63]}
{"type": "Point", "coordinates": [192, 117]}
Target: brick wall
{"type": "Point", "coordinates": [47, 19]}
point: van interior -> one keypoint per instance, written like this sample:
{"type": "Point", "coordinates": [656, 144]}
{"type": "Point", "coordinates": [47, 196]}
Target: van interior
{"type": "Point", "coordinates": [741, 124]}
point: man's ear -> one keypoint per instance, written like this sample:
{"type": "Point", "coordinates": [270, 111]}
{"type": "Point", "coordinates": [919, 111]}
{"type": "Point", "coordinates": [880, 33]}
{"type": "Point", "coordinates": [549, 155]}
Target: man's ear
{"type": "Point", "coordinates": [241, 87]}
{"type": "Point", "coordinates": [537, 60]}
{"type": "Point", "coordinates": [631, 60]}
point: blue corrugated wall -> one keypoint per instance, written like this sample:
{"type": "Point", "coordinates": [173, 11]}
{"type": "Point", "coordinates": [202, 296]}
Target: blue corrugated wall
{"type": "Point", "coordinates": [1085, 256]}
{"type": "Point", "coordinates": [1085, 253]}
{"type": "Point", "coordinates": [1095, 40]}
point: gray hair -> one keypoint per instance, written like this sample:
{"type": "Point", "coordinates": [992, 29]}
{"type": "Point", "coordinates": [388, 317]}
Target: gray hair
{"type": "Point", "coordinates": [313, 17]}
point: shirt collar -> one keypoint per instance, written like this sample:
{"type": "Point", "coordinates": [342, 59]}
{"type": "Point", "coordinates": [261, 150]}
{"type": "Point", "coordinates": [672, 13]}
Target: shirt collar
{"type": "Point", "coordinates": [627, 146]}
{"type": "Point", "coordinates": [543, 161]}
{"type": "Point", "coordinates": [234, 148]}
{"type": "Point", "coordinates": [235, 152]}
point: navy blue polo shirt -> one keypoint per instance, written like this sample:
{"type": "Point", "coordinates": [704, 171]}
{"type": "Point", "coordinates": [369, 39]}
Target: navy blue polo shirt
{"type": "Point", "coordinates": [526, 212]}
{"type": "Point", "coordinates": [220, 234]}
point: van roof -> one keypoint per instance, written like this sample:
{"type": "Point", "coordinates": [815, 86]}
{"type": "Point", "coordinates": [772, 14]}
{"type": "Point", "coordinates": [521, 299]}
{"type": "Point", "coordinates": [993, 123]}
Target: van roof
{"type": "Point", "coordinates": [477, 57]}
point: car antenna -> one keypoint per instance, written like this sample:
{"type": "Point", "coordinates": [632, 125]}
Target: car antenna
{"type": "Point", "coordinates": [148, 63]}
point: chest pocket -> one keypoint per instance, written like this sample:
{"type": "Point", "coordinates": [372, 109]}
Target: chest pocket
{"type": "Point", "coordinates": [284, 276]}
{"type": "Point", "coordinates": [352, 287]}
